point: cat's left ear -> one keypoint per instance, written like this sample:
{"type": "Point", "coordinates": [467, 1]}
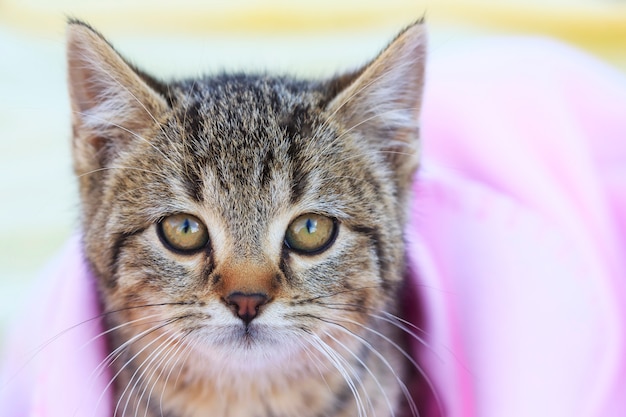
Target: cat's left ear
{"type": "Point", "coordinates": [382, 102]}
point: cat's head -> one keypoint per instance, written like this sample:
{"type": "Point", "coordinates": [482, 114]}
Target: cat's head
{"type": "Point", "coordinates": [244, 215]}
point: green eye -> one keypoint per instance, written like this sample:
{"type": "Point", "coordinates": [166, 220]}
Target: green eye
{"type": "Point", "coordinates": [183, 233]}
{"type": "Point", "coordinates": [311, 233]}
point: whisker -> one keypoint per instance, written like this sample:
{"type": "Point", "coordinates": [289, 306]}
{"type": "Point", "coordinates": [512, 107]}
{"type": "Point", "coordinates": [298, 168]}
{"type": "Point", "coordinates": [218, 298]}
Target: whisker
{"type": "Point", "coordinates": [185, 355]}
{"type": "Point", "coordinates": [403, 387]}
{"type": "Point", "coordinates": [37, 350]}
{"type": "Point", "coordinates": [126, 344]}
{"type": "Point", "coordinates": [142, 369]}
{"type": "Point", "coordinates": [343, 367]}
{"type": "Point", "coordinates": [171, 353]}
{"type": "Point", "coordinates": [402, 324]}
{"type": "Point", "coordinates": [367, 368]}
{"type": "Point", "coordinates": [409, 357]}
{"type": "Point", "coordinates": [154, 353]}
{"type": "Point", "coordinates": [371, 348]}
{"type": "Point", "coordinates": [317, 362]}
{"type": "Point", "coordinates": [100, 368]}
{"type": "Point", "coordinates": [177, 356]}
{"type": "Point", "coordinates": [116, 353]}
{"type": "Point", "coordinates": [119, 326]}
{"type": "Point", "coordinates": [333, 294]}
{"type": "Point", "coordinates": [360, 308]}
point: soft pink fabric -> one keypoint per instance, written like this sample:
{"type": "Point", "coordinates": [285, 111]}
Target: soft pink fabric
{"type": "Point", "coordinates": [518, 231]}
{"type": "Point", "coordinates": [52, 367]}
{"type": "Point", "coordinates": [516, 246]}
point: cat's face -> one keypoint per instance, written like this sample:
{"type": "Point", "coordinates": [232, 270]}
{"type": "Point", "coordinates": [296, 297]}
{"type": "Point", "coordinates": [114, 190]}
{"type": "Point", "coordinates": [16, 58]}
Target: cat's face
{"type": "Point", "coordinates": [248, 220]}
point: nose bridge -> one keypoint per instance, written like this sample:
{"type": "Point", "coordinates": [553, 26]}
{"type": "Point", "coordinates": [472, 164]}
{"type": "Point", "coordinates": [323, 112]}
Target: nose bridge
{"type": "Point", "coordinates": [247, 266]}
{"type": "Point", "coordinates": [247, 230]}
{"type": "Point", "coordinates": [247, 277]}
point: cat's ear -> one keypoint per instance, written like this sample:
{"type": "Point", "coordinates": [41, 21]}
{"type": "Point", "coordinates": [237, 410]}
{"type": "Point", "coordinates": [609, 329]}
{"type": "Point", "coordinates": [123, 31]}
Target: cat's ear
{"type": "Point", "coordinates": [113, 104]}
{"type": "Point", "coordinates": [381, 103]}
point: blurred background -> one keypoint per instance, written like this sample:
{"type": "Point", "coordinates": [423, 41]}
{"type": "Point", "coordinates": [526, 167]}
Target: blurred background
{"type": "Point", "coordinates": [38, 203]}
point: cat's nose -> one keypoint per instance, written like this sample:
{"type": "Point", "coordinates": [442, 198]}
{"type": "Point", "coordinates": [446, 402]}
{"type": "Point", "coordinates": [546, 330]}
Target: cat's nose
{"type": "Point", "coordinates": [246, 306]}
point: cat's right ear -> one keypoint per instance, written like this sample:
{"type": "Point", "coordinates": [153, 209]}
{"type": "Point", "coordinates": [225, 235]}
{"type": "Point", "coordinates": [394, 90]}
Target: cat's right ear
{"type": "Point", "coordinates": [112, 104]}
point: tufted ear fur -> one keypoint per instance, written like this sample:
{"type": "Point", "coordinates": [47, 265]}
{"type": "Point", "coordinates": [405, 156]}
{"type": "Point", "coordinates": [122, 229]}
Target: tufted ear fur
{"type": "Point", "coordinates": [382, 102]}
{"type": "Point", "coordinates": [113, 104]}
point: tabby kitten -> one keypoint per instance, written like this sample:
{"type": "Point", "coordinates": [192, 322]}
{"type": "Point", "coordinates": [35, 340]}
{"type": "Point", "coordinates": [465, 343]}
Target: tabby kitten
{"type": "Point", "coordinates": [246, 232]}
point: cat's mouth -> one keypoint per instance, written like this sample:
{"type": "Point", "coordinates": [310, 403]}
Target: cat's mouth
{"type": "Point", "coordinates": [251, 334]}
{"type": "Point", "coordinates": [242, 336]}
{"type": "Point", "coordinates": [244, 347]}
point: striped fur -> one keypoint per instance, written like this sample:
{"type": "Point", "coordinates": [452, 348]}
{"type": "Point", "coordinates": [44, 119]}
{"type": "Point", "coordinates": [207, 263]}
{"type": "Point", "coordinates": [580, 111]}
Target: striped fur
{"type": "Point", "coordinates": [246, 154]}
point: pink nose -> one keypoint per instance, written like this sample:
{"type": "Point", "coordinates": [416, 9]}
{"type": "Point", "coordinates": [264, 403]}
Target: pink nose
{"type": "Point", "coordinates": [246, 306]}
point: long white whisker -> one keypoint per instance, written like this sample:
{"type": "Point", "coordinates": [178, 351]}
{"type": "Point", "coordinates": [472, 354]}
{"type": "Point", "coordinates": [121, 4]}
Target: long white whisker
{"type": "Point", "coordinates": [163, 364]}
{"type": "Point", "coordinates": [402, 324]}
{"type": "Point", "coordinates": [360, 308]}
{"type": "Point", "coordinates": [408, 328]}
{"type": "Point", "coordinates": [120, 349]}
{"type": "Point", "coordinates": [154, 353]}
{"type": "Point", "coordinates": [140, 373]}
{"type": "Point", "coordinates": [177, 356]}
{"type": "Point", "coordinates": [403, 387]}
{"type": "Point", "coordinates": [180, 370]}
{"type": "Point", "coordinates": [364, 365]}
{"type": "Point", "coordinates": [421, 340]}
{"type": "Point", "coordinates": [340, 365]}
{"type": "Point", "coordinates": [316, 361]}
{"type": "Point", "coordinates": [37, 350]}
{"type": "Point", "coordinates": [117, 352]}
{"type": "Point", "coordinates": [99, 369]}
{"type": "Point", "coordinates": [130, 381]}
{"type": "Point", "coordinates": [119, 326]}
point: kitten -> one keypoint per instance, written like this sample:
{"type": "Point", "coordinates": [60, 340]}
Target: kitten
{"type": "Point", "coordinates": [246, 232]}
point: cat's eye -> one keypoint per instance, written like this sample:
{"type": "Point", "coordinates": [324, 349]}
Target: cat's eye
{"type": "Point", "coordinates": [311, 233]}
{"type": "Point", "coordinates": [183, 233]}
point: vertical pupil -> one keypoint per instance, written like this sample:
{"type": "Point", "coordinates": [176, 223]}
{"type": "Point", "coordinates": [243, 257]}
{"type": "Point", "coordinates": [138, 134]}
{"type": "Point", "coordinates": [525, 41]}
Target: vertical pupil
{"type": "Point", "coordinates": [186, 227]}
{"type": "Point", "coordinates": [311, 226]}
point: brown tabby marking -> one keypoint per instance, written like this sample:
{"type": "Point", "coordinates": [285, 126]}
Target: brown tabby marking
{"type": "Point", "coordinates": [246, 155]}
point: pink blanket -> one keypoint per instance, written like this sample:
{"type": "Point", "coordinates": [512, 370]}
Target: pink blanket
{"type": "Point", "coordinates": [517, 247]}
